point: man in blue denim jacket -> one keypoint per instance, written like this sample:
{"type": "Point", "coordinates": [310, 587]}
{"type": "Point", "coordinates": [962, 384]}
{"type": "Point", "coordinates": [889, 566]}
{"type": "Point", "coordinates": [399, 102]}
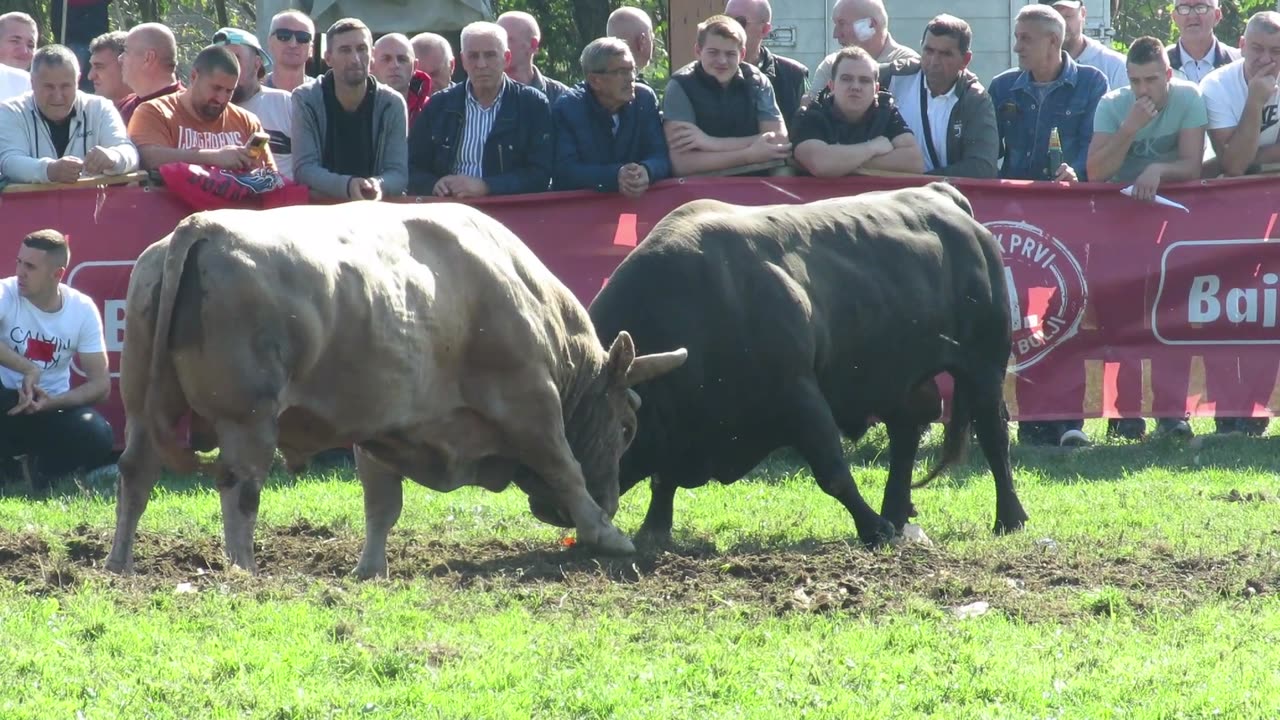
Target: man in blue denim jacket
{"type": "Point", "coordinates": [1047, 90]}
{"type": "Point", "coordinates": [489, 135]}
{"type": "Point", "coordinates": [608, 132]}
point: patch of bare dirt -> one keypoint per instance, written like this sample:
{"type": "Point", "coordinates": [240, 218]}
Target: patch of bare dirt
{"type": "Point", "coordinates": [1031, 583]}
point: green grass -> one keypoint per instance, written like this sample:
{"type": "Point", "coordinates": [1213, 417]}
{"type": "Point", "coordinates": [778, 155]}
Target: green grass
{"type": "Point", "coordinates": [1135, 603]}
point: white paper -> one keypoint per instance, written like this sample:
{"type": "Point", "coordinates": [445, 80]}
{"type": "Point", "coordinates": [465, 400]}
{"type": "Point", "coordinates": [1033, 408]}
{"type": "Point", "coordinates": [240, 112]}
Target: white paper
{"type": "Point", "coordinates": [1158, 200]}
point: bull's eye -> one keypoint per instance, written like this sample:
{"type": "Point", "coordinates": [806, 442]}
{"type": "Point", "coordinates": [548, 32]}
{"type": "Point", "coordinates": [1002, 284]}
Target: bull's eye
{"type": "Point", "coordinates": [627, 432]}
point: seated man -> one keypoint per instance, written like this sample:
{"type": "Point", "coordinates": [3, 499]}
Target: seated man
{"type": "Point", "coordinates": [608, 133]}
{"type": "Point", "coordinates": [853, 126]}
{"type": "Point", "coordinates": [489, 135]}
{"type": "Point", "coordinates": [45, 134]}
{"type": "Point", "coordinates": [272, 107]}
{"type": "Point", "coordinates": [200, 125]}
{"type": "Point", "coordinates": [45, 324]}
{"type": "Point", "coordinates": [1146, 133]}
{"type": "Point", "coordinates": [349, 138]}
{"type": "Point", "coordinates": [939, 86]}
{"type": "Point", "coordinates": [719, 112]}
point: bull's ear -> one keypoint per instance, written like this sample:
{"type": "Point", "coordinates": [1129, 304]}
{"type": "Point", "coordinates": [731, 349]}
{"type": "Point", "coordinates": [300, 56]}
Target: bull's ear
{"type": "Point", "coordinates": [622, 353]}
{"type": "Point", "coordinates": [648, 367]}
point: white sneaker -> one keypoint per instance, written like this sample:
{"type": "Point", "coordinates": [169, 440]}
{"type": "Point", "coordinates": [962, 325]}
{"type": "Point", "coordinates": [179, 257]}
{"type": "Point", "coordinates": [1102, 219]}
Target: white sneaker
{"type": "Point", "coordinates": [1074, 438]}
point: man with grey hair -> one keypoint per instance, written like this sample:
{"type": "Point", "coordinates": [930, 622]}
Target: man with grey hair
{"type": "Point", "coordinates": [487, 136]}
{"type": "Point", "coordinates": [524, 38]}
{"type": "Point", "coordinates": [148, 66]}
{"type": "Point", "coordinates": [1198, 51]}
{"type": "Point", "coordinates": [864, 23]}
{"type": "Point", "coordinates": [434, 56]}
{"type": "Point", "coordinates": [1047, 95]}
{"type": "Point", "coordinates": [633, 26]}
{"type": "Point", "coordinates": [608, 132]}
{"type": "Point", "coordinates": [45, 135]}
{"type": "Point", "coordinates": [104, 66]}
{"type": "Point", "coordinates": [790, 78]}
{"type": "Point", "coordinates": [349, 131]}
{"type": "Point", "coordinates": [289, 42]}
{"type": "Point", "coordinates": [19, 34]}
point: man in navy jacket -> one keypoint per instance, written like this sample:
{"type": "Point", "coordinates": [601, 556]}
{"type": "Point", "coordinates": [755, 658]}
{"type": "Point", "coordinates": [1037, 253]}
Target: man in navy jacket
{"type": "Point", "coordinates": [487, 136]}
{"type": "Point", "coordinates": [608, 131]}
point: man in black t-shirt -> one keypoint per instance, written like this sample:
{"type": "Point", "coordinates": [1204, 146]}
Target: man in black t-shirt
{"type": "Point", "coordinates": [852, 126]}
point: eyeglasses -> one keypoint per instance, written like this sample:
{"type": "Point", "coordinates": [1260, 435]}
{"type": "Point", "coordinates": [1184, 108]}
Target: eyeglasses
{"type": "Point", "coordinates": [622, 72]}
{"type": "Point", "coordinates": [285, 35]}
{"type": "Point", "coordinates": [1200, 9]}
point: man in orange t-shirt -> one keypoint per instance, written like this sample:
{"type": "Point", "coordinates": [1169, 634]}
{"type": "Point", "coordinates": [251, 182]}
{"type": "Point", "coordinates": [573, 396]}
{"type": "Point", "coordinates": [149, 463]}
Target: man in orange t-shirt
{"type": "Point", "coordinates": [200, 125]}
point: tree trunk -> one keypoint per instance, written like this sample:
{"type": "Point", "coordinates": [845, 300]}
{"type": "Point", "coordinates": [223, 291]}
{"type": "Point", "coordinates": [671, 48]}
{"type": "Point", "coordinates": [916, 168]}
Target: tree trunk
{"type": "Point", "coordinates": [590, 17]}
{"type": "Point", "coordinates": [220, 7]}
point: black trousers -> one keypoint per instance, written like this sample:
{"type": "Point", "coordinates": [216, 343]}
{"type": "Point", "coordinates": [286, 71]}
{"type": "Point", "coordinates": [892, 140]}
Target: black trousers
{"type": "Point", "coordinates": [57, 442]}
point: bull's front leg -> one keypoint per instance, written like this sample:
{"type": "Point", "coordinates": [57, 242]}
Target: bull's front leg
{"type": "Point", "coordinates": [383, 501]}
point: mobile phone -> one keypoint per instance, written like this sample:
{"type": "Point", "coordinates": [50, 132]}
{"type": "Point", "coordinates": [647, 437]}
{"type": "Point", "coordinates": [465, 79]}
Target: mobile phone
{"type": "Point", "coordinates": [258, 143]}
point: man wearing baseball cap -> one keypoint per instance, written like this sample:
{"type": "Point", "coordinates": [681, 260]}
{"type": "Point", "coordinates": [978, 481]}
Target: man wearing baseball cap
{"type": "Point", "coordinates": [1084, 49]}
{"type": "Point", "coordinates": [273, 107]}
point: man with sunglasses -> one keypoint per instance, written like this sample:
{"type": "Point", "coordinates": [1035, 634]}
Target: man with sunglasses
{"type": "Point", "coordinates": [289, 43]}
{"type": "Point", "coordinates": [607, 129]}
{"type": "Point", "coordinates": [790, 78]}
{"type": "Point", "coordinates": [1198, 52]}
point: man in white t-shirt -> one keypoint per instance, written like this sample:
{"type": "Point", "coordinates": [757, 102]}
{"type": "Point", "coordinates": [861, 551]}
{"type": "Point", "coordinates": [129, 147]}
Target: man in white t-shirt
{"type": "Point", "coordinates": [273, 107]}
{"type": "Point", "coordinates": [45, 324]}
{"type": "Point", "coordinates": [13, 82]}
{"type": "Point", "coordinates": [1241, 100]}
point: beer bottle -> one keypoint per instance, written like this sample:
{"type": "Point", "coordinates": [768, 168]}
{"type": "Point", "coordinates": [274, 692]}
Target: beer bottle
{"type": "Point", "coordinates": [1055, 153]}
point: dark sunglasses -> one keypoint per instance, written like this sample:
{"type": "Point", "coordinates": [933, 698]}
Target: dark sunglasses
{"type": "Point", "coordinates": [283, 35]}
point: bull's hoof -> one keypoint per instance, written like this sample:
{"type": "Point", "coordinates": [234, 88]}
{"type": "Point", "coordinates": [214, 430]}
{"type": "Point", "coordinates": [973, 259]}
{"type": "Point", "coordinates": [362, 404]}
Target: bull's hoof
{"type": "Point", "coordinates": [369, 571]}
{"type": "Point", "coordinates": [118, 567]}
{"type": "Point", "coordinates": [611, 541]}
{"type": "Point", "coordinates": [882, 533]}
{"type": "Point", "coordinates": [653, 539]}
{"type": "Point", "coordinates": [1011, 525]}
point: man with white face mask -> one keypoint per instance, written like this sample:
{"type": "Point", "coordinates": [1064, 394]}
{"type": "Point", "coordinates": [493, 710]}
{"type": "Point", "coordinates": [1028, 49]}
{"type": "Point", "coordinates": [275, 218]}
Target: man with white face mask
{"type": "Point", "coordinates": [864, 23]}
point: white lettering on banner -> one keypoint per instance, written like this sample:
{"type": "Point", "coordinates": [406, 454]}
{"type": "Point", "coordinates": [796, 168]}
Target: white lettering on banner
{"type": "Point", "coordinates": [1241, 304]}
{"type": "Point", "coordinates": [113, 325]}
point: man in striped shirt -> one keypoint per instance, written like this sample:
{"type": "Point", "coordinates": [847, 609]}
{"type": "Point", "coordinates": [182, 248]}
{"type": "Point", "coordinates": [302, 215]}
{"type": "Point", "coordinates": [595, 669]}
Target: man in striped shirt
{"type": "Point", "coordinates": [487, 136]}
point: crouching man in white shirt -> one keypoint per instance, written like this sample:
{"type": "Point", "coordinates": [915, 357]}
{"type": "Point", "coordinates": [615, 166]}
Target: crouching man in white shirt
{"type": "Point", "coordinates": [56, 133]}
{"type": "Point", "coordinates": [45, 324]}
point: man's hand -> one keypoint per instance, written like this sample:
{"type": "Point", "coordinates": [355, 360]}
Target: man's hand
{"type": "Point", "coordinates": [687, 136]}
{"type": "Point", "coordinates": [98, 161]}
{"type": "Point", "coordinates": [771, 146]}
{"type": "Point", "coordinates": [65, 170]}
{"type": "Point", "coordinates": [1066, 173]}
{"type": "Point", "coordinates": [1147, 184]}
{"type": "Point", "coordinates": [27, 391]}
{"type": "Point", "coordinates": [881, 145]}
{"type": "Point", "coordinates": [460, 186]}
{"type": "Point", "coordinates": [633, 180]}
{"type": "Point", "coordinates": [232, 157]}
{"type": "Point", "coordinates": [364, 189]}
{"type": "Point", "coordinates": [1263, 83]}
{"type": "Point", "coordinates": [1143, 112]}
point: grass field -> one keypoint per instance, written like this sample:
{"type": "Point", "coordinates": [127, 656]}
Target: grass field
{"type": "Point", "coordinates": [1145, 586]}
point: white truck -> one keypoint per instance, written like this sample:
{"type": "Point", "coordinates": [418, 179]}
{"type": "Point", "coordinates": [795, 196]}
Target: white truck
{"type": "Point", "coordinates": [802, 29]}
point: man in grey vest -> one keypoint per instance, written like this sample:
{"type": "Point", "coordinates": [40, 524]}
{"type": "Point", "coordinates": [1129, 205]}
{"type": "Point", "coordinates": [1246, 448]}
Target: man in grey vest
{"type": "Point", "coordinates": [1198, 51]}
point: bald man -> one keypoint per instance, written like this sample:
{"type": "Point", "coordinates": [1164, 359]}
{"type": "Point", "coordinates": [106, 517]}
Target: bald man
{"type": "Point", "coordinates": [864, 23]}
{"type": "Point", "coordinates": [524, 38]}
{"type": "Point", "coordinates": [148, 66]}
{"type": "Point", "coordinates": [434, 56]}
{"type": "Point", "coordinates": [394, 65]}
{"type": "Point", "coordinates": [632, 26]}
{"type": "Point", "coordinates": [790, 78]}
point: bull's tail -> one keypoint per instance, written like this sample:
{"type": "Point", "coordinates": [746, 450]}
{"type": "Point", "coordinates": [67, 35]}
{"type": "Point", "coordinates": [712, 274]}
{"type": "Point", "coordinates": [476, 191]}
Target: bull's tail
{"type": "Point", "coordinates": [955, 437]}
{"type": "Point", "coordinates": [160, 403]}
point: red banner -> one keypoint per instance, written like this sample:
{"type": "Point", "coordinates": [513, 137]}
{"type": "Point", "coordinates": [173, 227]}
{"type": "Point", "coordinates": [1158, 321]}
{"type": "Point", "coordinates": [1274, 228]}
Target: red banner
{"type": "Point", "coordinates": [1120, 307]}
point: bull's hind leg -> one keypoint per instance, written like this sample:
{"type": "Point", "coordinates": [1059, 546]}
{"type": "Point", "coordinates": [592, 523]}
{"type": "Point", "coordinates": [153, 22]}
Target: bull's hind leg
{"type": "Point", "coordinates": [243, 464]}
{"type": "Point", "coordinates": [817, 437]}
{"type": "Point", "coordinates": [139, 470]}
{"type": "Point", "coordinates": [991, 421]}
{"type": "Point", "coordinates": [383, 500]}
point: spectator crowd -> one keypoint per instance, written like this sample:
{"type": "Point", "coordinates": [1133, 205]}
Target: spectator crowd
{"type": "Point", "coordinates": [386, 118]}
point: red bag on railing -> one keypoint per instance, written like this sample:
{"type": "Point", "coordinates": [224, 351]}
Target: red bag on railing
{"type": "Point", "coordinates": [211, 188]}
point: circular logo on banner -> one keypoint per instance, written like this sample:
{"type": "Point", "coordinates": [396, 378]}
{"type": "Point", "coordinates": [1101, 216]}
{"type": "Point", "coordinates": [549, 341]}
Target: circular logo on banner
{"type": "Point", "coordinates": [1047, 290]}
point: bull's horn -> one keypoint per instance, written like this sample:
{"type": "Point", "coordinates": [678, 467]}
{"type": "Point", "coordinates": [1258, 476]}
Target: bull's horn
{"type": "Point", "coordinates": [633, 397]}
{"type": "Point", "coordinates": [648, 367]}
